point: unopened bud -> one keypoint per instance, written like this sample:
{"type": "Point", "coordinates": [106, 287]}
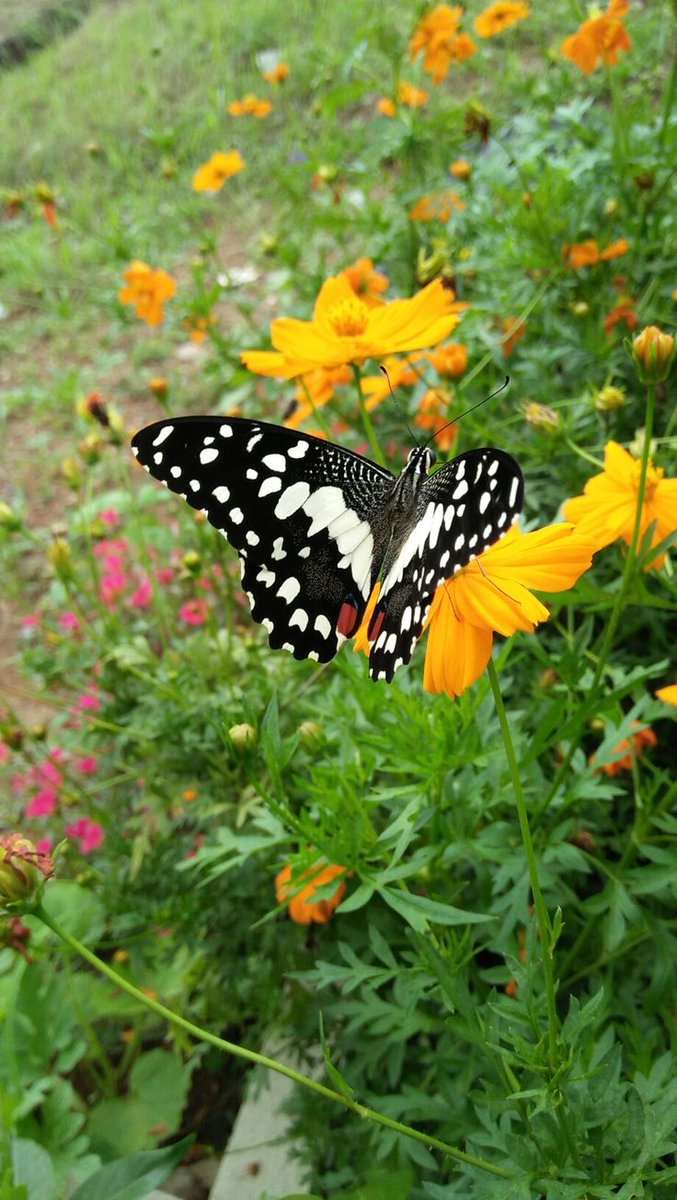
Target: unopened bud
{"type": "Point", "coordinates": [23, 871]}
{"type": "Point", "coordinates": [541, 417]}
{"type": "Point", "coordinates": [72, 473]}
{"type": "Point", "coordinates": [653, 354]}
{"type": "Point", "coordinates": [580, 308]}
{"type": "Point", "coordinates": [192, 562]}
{"type": "Point", "coordinates": [242, 736]}
{"type": "Point", "coordinates": [8, 518]}
{"type": "Point", "coordinates": [59, 555]}
{"type": "Point", "coordinates": [608, 398]}
{"type": "Point", "coordinates": [310, 731]}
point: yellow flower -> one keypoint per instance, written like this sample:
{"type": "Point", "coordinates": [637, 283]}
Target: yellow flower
{"type": "Point", "coordinates": [600, 38]}
{"type": "Point", "coordinates": [461, 169]}
{"type": "Point", "coordinates": [213, 174]}
{"type": "Point", "coordinates": [147, 289]}
{"type": "Point", "coordinates": [250, 106]}
{"type": "Point", "coordinates": [386, 107]}
{"type": "Point", "coordinates": [499, 16]}
{"type": "Point", "coordinates": [437, 206]}
{"type": "Point", "coordinates": [432, 38]}
{"type": "Point", "coordinates": [608, 506]}
{"type": "Point", "coordinates": [344, 329]}
{"type": "Point", "coordinates": [668, 694]}
{"type": "Point", "coordinates": [413, 97]}
{"type": "Point", "coordinates": [277, 74]}
{"type": "Point", "coordinates": [491, 595]}
{"type": "Point", "coordinates": [401, 373]}
{"type": "Point", "coordinates": [314, 390]}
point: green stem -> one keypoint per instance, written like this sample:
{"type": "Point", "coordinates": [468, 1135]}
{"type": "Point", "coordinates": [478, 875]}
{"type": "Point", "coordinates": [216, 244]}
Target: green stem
{"type": "Point", "coordinates": [263, 1060]}
{"type": "Point", "coordinates": [668, 102]}
{"type": "Point", "coordinates": [542, 918]}
{"type": "Point", "coordinates": [367, 422]}
{"type": "Point", "coordinates": [619, 604]}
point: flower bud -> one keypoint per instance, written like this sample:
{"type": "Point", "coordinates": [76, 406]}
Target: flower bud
{"type": "Point", "coordinates": [242, 736]}
{"type": "Point", "coordinates": [23, 871]}
{"type": "Point", "coordinates": [9, 519]}
{"type": "Point", "coordinates": [611, 207]}
{"type": "Point", "coordinates": [59, 555]}
{"type": "Point", "coordinates": [580, 308]}
{"type": "Point", "coordinates": [310, 732]}
{"type": "Point", "coordinates": [644, 180]}
{"type": "Point", "coordinates": [44, 193]}
{"type": "Point", "coordinates": [653, 353]}
{"type": "Point", "coordinates": [158, 386]}
{"type": "Point", "coordinates": [608, 398]}
{"type": "Point", "coordinates": [461, 169]}
{"type": "Point", "coordinates": [192, 562]}
{"type": "Point", "coordinates": [541, 417]}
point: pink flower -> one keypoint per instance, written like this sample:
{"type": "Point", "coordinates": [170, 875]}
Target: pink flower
{"type": "Point", "coordinates": [57, 754]}
{"type": "Point", "coordinates": [30, 621]}
{"type": "Point", "coordinates": [117, 546]}
{"type": "Point", "coordinates": [18, 782]}
{"type": "Point", "coordinates": [4, 752]}
{"type": "Point", "coordinates": [88, 833]}
{"type": "Point", "coordinates": [42, 803]}
{"type": "Point", "coordinates": [143, 595]}
{"type": "Point", "coordinates": [46, 773]}
{"type": "Point", "coordinates": [194, 612]}
{"type": "Point", "coordinates": [113, 584]}
{"type": "Point", "coordinates": [69, 620]}
{"type": "Point", "coordinates": [164, 574]}
{"type": "Point", "coordinates": [88, 700]}
{"type": "Point", "coordinates": [204, 583]}
{"type": "Point", "coordinates": [44, 846]}
{"type": "Point", "coordinates": [109, 516]}
{"type": "Point", "coordinates": [88, 765]}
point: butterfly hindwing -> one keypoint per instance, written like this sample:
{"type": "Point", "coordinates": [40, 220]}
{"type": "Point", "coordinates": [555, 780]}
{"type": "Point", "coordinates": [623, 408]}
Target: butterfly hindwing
{"type": "Point", "coordinates": [306, 517]}
{"type": "Point", "coordinates": [462, 509]}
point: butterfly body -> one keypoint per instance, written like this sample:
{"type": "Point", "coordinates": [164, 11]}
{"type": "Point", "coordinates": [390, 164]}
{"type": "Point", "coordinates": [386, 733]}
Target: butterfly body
{"type": "Point", "coordinates": [315, 526]}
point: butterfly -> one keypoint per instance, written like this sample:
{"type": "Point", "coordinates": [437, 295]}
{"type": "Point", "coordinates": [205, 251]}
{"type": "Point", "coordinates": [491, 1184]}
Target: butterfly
{"type": "Point", "coordinates": [316, 525]}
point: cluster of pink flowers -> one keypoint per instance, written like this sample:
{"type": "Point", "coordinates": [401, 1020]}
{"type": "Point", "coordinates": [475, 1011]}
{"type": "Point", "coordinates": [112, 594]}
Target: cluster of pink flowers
{"type": "Point", "coordinates": [44, 781]}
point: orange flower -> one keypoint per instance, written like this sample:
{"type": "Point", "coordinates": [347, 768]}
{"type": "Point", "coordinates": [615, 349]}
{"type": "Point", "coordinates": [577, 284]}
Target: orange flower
{"type": "Point", "coordinates": [461, 169]}
{"type": "Point", "coordinates": [623, 311]}
{"type": "Point", "coordinates": [250, 106]}
{"type": "Point", "coordinates": [653, 353]}
{"type": "Point", "coordinates": [628, 750]}
{"type": "Point", "coordinates": [386, 107]}
{"type": "Point", "coordinates": [668, 694]}
{"type": "Point", "coordinates": [588, 253]}
{"type": "Point", "coordinates": [344, 329]}
{"type": "Point", "coordinates": [432, 410]}
{"type": "Point", "coordinates": [491, 595]}
{"type": "Point", "coordinates": [461, 47]}
{"type": "Point", "coordinates": [608, 506]}
{"type": "Point", "coordinates": [277, 74]}
{"type": "Point", "coordinates": [401, 373]}
{"type": "Point", "coordinates": [450, 359]}
{"type": "Point", "coordinates": [212, 175]}
{"type": "Point", "coordinates": [147, 289]}
{"type": "Point", "coordinates": [199, 326]}
{"type": "Point", "coordinates": [437, 206]}
{"type": "Point", "coordinates": [302, 908]}
{"type": "Point", "coordinates": [314, 390]}
{"type": "Point", "coordinates": [499, 16]}
{"type": "Point", "coordinates": [413, 97]}
{"type": "Point", "coordinates": [366, 281]}
{"type": "Point", "coordinates": [599, 39]}
{"type": "Point", "coordinates": [513, 330]}
{"type": "Point", "coordinates": [434, 37]}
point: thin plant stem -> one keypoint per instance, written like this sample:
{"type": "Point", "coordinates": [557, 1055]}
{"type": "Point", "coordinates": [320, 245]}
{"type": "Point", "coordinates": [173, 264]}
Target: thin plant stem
{"type": "Point", "coordinates": [542, 918]}
{"type": "Point", "coordinates": [367, 422]}
{"type": "Point", "coordinates": [263, 1060]}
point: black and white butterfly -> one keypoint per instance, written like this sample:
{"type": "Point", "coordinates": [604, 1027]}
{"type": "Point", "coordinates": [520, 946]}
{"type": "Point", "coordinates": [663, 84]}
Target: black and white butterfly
{"type": "Point", "coordinates": [315, 526]}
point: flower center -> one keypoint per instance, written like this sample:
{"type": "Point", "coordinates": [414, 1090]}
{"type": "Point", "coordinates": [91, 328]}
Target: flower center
{"type": "Point", "coordinates": [349, 318]}
{"type": "Point", "coordinates": [653, 478]}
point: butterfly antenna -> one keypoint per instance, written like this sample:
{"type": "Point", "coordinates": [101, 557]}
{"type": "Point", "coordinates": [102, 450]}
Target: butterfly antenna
{"type": "Point", "coordinates": [398, 406]}
{"type": "Point", "coordinates": [467, 412]}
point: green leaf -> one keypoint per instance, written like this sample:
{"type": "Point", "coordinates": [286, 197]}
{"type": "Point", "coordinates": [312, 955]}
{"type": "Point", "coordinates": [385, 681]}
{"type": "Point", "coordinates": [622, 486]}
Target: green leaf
{"type": "Point", "coordinates": [12, 1191]}
{"type": "Point", "coordinates": [132, 1177]}
{"type": "Point", "coordinates": [333, 1072]}
{"type": "Point", "coordinates": [33, 1168]}
{"type": "Point", "coordinates": [158, 1085]}
{"type": "Point", "coordinates": [418, 911]}
{"type": "Point", "coordinates": [78, 910]}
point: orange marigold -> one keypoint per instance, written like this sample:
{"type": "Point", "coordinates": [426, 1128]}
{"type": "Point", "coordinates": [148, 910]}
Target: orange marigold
{"type": "Point", "coordinates": [623, 311]}
{"type": "Point", "coordinates": [277, 74]}
{"type": "Point", "coordinates": [386, 107]}
{"type": "Point", "coordinates": [400, 372]}
{"type": "Point", "coordinates": [607, 509]}
{"type": "Point", "coordinates": [450, 359]}
{"type": "Point", "coordinates": [314, 390]}
{"type": "Point", "coordinates": [435, 37]}
{"type": "Point", "coordinates": [599, 39]}
{"type": "Point", "coordinates": [212, 175]}
{"type": "Point", "coordinates": [366, 281]}
{"type": "Point", "coordinates": [499, 16]}
{"type": "Point", "coordinates": [437, 206]}
{"type": "Point", "coordinates": [432, 411]}
{"type": "Point", "coordinates": [461, 169]}
{"type": "Point", "coordinates": [587, 253]}
{"type": "Point", "coordinates": [628, 749]}
{"type": "Point", "coordinates": [291, 889]}
{"type": "Point", "coordinates": [410, 95]}
{"type": "Point", "coordinates": [147, 289]}
{"type": "Point", "coordinates": [250, 106]}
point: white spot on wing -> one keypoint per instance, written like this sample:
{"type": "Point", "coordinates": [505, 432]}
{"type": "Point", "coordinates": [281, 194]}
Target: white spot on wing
{"type": "Point", "coordinates": [208, 455]}
{"type": "Point", "coordinates": [175, 472]}
{"type": "Point", "coordinates": [299, 617]}
{"type": "Point", "coordinates": [253, 440]}
{"type": "Point", "coordinates": [514, 487]}
{"type": "Point", "coordinates": [484, 501]}
{"type": "Point", "coordinates": [194, 485]}
{"type": "Point", "coordinates": [222, 494]}
{"type": "Point", "coordinates": [298, 450]}
{"type": "Point", "coordinates": [226, 430]}
{"type": "Point", "coordinates": [253, 538]}
{"type": "Point", "coordinates": [252, 474]}
{"type": "Point", "coordinates": [322, 626]}
{"type": "Point", "coordinates": [278, 552]}
{"type": "Point", "coordinates": [270, 485]}
{"type": "Point", "coordinates": [292, 499]}
{"type": "Point", "coordinates": [157, 458]}
{"type": "Point", "coordinates": [163, 435]}
{"type": "Point", "coordinates": [289, 589]}
{"type": "Point", "coordinates": [236, 516]}
{"type": "Point", "coordinates": [460, 490]}
{"type": "Point", "coordinates": [276, 462]}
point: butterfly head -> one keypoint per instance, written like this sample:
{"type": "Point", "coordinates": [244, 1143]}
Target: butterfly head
{"type": "Point", "coordinates": [421, 459]}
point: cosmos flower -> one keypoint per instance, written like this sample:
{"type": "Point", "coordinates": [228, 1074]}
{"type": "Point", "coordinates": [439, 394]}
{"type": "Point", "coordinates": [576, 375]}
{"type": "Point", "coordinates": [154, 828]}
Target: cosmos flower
{"type": "Point", "coordinates": [668, 694]}
{"type": "Point", "coordinates": [437, 206]}
{"type": "Point", "coordinates": [88, 833]}
{"type": "Point", "coordinates": [608, 506]}
{"type": "Point", "coordinates": [491, 595]}
{"type": "Point", "coordinates": [500, 16]}
{"type": "Point", "coordinates": [587, 253]}
{"type": "Point", "coordinates": [410, 95]}
{"type": "Point", "coordinates": [277, 74]}
{"type": "Point", "coordinates": [366, 281]}
{"type": "Point", "coordinates": [302, 908]}
{"type": "Point", "coordinates": [212, 175]}
{"type": "Point", "coordinates": [450, 359]}
{"type": "Point", "coordinates": [436, 37]}
{"type": "Point", "coordinates": [147, 289]}
{"type": "Point", "coordinates": [250, 106]}
{"type": "Point", "coordinates": [599, 39]}
{"type": "Point", "coordinates": [314, 390]}
{"type": "Point", "coordinates": [432, 414]}
{"type": "Point", "coordinates": [344, 329]}
{"type": "Point", "coordinates": [628, 749]}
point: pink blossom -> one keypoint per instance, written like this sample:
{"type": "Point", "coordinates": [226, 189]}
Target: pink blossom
{"type": "Point", "coordinates": [44, 846]}
{"type": "Point", "coordinates": [88, 700]}
{"type": "Point", "coordinates": [69, 620]}
{"type": "Point", "coordinates": [116, 546]}
{"type": "Point", "coordinates": [18, 782]}
{"type": "Point", "coordinates": [109, 516]}
{"type": "Point", "coordinates": [204, 583]}
{"type": "Point", "coordinates": [88, 764]}
{"type": "Point", "coordinates": [42, 803]}
{"type": "Point", "coordinates": [46, 773]}
{"type": "Point", "coordinates": [30, 621]}
{"type": "Point", "coordinates": [164, 574]}
{"type": "Point", "coordinates": [4, 752]}
{"type": "Point", "coordinates": [88, 833]}
{"type": "Point", "coordinates": [113, 584]}
{"type": "Point", "coordinates": [194, 612]}
{"type": "Point", "coordinates": [143, 595]}
{"type": "Point", "coordinates": [57, 754]}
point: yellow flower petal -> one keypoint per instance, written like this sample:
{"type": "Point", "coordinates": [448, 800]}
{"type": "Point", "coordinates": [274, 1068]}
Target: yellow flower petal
{"type": "Point", "coordinates": [456, 655]}
{"type": "Point", "coordinates": [668, 694]}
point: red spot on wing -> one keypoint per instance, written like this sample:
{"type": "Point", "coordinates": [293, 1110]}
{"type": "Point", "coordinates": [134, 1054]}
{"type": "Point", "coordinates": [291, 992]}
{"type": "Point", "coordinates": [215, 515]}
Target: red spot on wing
{"type": "Point", "coordinates": [347, 619]}
{"type": "Point", "coordinates": [375, 627]}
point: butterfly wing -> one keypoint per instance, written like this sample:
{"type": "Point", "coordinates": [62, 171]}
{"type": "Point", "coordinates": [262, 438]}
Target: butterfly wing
{"type": "Point", "coordinates": [306, 517]}
{"type": "Point", "coordinates": [462, 510]}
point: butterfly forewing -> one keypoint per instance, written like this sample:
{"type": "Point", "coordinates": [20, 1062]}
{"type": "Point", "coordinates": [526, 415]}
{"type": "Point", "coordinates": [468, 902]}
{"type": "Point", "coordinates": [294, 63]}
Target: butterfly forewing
{"type": "Point", "coordinates": [461, 510]}
{"type": "Point", "coordinates": [307, 518]}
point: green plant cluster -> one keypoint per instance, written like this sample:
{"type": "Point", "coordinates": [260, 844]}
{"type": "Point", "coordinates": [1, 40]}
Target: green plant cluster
{"type": "Point", "coordinates": [494, 996]}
